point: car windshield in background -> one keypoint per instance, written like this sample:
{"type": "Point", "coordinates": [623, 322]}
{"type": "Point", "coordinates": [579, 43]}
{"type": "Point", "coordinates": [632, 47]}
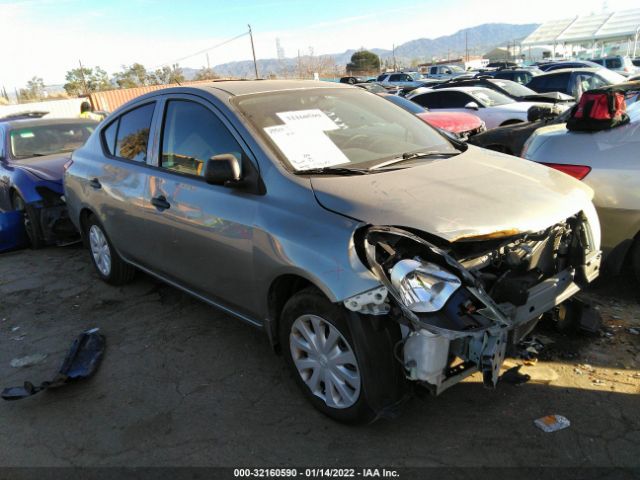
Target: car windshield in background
{"type": "Point", "coordinates": [44, 140]}
{"type": "Point", "coordinates": [456, 69]}
{"type": "Point", "coordinates": [408, 105]}
{"type": "Point", "coordinates": [490, 98]}
{"type": "Point", "coordinates": [611, 77]}
{"type": "Point", "coordinates": [514, 88]}
{"type": "Point", "coordinates": [319, 128]}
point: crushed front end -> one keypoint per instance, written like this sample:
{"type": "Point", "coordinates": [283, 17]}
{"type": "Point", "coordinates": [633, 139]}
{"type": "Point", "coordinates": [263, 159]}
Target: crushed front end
{"type": "Point", "coordinates": [462, 304]}
{"type": "Point", "coordinates": [51, 209]}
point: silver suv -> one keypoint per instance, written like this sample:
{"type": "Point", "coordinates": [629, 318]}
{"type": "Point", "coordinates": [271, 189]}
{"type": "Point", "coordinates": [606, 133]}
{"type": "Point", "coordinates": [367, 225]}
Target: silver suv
{"type": "Point", "coordinates": [372, 249]}
{"type": "Point", "coordinates": [618, 63]}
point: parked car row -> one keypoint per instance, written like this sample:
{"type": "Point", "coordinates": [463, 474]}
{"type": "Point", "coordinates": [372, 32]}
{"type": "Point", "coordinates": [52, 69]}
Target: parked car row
{"type": "Point", "coordinates": [374, 249]}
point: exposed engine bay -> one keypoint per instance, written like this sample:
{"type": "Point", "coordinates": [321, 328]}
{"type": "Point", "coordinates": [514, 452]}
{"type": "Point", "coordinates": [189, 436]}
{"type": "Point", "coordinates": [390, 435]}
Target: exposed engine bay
{"type": "Point", "coordinates": [460, 305]}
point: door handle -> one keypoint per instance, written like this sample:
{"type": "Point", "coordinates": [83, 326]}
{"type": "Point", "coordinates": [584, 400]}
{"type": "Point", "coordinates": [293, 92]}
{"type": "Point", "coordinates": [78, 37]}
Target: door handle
{"type": "Point", "coordinates": [160, 202]}
{"type": "Point", "coordinates": [95, 183]}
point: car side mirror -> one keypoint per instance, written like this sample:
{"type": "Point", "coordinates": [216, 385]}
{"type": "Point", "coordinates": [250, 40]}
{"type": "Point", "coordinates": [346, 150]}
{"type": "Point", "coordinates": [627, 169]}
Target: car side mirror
{"type": "Point", "coordinates": [222, 169]}
{"type": "Point", "coordinates": [472, 106]}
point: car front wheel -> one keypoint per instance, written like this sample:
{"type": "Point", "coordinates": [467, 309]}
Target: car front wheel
{"type": "Point", "coordinates": [30, 222]}
{"type": "Point", "coordinates": [339, 377]}
{"type": "Point", "coordinates": [108, 264]}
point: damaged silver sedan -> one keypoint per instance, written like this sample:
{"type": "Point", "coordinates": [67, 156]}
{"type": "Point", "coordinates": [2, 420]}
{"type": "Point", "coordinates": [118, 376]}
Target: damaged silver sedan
{"type": "Point", "coordinates": [373, 250]}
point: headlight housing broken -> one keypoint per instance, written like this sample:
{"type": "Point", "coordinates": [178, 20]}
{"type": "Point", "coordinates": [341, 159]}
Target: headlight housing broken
{"type": "Point", "coordinates": [423, 287]}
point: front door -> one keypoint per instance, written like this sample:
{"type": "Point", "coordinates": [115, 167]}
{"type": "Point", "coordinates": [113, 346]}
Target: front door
{"type": "Point", "coordinates": [203, 233]}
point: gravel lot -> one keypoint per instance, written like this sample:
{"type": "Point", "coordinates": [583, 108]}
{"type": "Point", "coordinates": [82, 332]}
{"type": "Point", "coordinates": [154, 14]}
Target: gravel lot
{"type": "Point", "coordinates": [183, 384]}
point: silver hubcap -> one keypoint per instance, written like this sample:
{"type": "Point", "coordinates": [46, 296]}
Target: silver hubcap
{"type": "Point", "coordinates": [325, 361]}
{"type": "Point", "coordinates": [100, 250]}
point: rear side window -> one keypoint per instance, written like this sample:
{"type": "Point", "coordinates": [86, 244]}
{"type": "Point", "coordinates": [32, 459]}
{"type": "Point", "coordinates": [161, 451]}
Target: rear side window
{"type": "Point", "coordinates": [128, 136]}
{"type": "Point", "coordinates": [551, 83]}
{"type": "Point", "coordinates": [192, 134]}
{"type": "Point", "coordinates": [428, 100]}
{"type": "Point", "coordinates": [109, 135]}
{"type": "Point", "coordinates": [395, 78]}
{"type": "Point", "coordinates": [613, 63]}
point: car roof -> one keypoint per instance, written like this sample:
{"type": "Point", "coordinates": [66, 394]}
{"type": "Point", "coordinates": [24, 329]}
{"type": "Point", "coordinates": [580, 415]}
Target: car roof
{"type": "Point", "coordinates": [35, 122]}
{"type": "Point", "coordinates": [565, 70]}
{"type": "Point", "coordinates": [247, 87]}
{"type": "Point", "coordinates": [459, 89]}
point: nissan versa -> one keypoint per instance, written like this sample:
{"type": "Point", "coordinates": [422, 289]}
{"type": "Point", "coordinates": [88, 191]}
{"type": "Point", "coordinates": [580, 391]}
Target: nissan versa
{"type": "Point", "coordinates": [372, 249]}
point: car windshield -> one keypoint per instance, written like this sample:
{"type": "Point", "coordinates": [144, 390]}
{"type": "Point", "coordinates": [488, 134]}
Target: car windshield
{"type": "Point", "coordinates": [416, 76]}
{"type": "Point", "coordinates": [513, 88]}
{"type": "Point", "coordinates": [456, 69]}
{"type": "Point", "coordinates": [41, 140]}
{"type": "Point", "coordinates": [490, 98]}
{"type": "Point", "coordinates": [408, 105]}
{"type": "Point", "coordinates": [327, 127]}
{"type": "Point", "coordinates": [611, 77]}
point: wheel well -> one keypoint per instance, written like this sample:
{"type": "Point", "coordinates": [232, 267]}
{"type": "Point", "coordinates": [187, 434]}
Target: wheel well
{"type": "Point", "coordinates": [281, 290]}
{"type": "Point", "coordinates": [510, 122]}
{"type": "Point", "coordinates": [85, 213]}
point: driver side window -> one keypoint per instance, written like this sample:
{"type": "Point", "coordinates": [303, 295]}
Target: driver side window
{"type": "Point", "coordinates": [191, 135]}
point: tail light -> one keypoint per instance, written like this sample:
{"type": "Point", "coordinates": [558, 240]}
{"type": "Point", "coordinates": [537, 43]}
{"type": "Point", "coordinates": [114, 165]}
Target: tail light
{"type": "Point", "coordinates": [576, 171]}
{"type": "Point", "coordinates": [67, 165]}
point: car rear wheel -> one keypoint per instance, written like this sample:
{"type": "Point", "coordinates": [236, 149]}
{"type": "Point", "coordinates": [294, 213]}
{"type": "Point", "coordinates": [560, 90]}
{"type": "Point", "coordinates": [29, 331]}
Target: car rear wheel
{"type": "Point", "coordinates": [30, 222]}
{"type": "Point", "coordinates": [336, 375]}
{"type": "Point", "coordinates": [108, 264]}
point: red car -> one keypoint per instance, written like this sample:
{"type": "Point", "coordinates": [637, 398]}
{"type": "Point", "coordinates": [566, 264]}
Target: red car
{"type": "Point", "coordinates": [462, 125]}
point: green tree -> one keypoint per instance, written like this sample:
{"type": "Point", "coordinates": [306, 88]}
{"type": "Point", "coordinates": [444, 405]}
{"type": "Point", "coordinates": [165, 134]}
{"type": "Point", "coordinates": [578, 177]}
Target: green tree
{"type": "Point", "coordinates": [132, 76]}
{"type": "Point", "coordinates": [34, 90]}
{"type": "Point", "coordinates": [364, 61]}
{"type": "Point", "coordinates": [206, 74]}
{"type": "Point", "coordinates": [166, 75]}
{"type": "Point", "coordinates": [96, 80]}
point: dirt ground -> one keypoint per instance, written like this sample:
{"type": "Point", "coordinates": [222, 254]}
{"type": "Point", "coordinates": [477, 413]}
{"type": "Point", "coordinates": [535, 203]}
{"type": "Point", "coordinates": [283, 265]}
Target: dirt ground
{"type": "Point", "coordinates": [184, 384]}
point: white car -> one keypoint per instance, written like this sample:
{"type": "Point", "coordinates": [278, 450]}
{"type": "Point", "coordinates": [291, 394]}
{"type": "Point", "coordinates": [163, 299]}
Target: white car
{"type": "Point", "coordinates": [494, 108]}
{"type": "Point", "coordinates": [607, 161]}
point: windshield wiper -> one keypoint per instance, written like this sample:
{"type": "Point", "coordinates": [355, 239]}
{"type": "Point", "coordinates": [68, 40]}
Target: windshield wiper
{"type": "Point", "coordinates": [412, 156]}
{"type": "Point", "coordinates": [332, 171]}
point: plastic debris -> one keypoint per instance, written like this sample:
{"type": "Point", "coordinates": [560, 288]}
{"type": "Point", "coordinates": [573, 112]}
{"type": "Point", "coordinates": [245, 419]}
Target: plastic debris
{"type": "Point", "coordinates": [15, 329]}
{"type": "Point", "coordinates": [81, 361]}
{"type": "Point", "coordinates": [29, 360]}
{"type": "Point", "coordinates": [552, 423]}
{"type": "Point", "coordinates": [577, 371]}
{"type": "Point", "coordinates": [634, 331]}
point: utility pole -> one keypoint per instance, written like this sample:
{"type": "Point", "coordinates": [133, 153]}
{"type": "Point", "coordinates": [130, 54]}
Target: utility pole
{"type": "Point", "coordinates": [395, 65]}
{"type": "Point", "coordinates": [84, 83]}
{"type": "Point", "coordinates": [466, 46]}
{"type": "Point", "coordinates": [299, 65]}
{"type": "Point", "coordinates": [208, 64]}
{"type": "Point", "coordinates": [253, 50]}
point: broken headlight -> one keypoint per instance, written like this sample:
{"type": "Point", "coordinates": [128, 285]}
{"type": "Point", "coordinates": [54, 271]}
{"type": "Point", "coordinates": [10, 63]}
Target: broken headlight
{"type": "Point", "coordinates": [423, 287]}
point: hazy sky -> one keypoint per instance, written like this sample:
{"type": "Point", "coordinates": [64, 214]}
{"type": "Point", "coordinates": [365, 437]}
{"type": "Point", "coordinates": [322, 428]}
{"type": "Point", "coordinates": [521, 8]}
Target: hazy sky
{"type": "Point", "coordinates": [48, 37]}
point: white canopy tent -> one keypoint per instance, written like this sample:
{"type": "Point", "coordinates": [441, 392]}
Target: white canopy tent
{"type": "Point", "coordinates": [596, 29]}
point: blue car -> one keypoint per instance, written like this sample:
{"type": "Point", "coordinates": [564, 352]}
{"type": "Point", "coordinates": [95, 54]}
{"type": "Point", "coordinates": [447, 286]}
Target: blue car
{"type": "Point", "coordinates": [33, 153]}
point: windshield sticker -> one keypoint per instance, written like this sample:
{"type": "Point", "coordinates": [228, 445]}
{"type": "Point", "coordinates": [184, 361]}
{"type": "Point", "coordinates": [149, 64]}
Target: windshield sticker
{"type": "Point", "coordinates": [308, 119]}
{"type": "Point", "coordinates": [26, 135]}
{"type": "Point", "coordinates": [306, 148]}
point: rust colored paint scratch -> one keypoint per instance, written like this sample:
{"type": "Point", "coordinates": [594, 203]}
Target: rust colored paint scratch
{"type": "Point", "coordinates": [490, 236]}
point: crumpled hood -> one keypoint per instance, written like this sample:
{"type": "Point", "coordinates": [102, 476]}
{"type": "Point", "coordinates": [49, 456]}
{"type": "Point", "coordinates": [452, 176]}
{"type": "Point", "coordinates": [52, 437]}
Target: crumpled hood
{"type": "Point", "coordinates": [46, 168]}
{"type": "Point", "coordinates": [474, 194]}
{"type": "Point", "coordinates": [454, 122]}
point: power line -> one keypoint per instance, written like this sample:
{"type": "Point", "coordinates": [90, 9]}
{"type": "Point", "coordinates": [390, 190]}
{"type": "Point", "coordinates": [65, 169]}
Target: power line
{"type": "Point", "coordinates": [200, 52]}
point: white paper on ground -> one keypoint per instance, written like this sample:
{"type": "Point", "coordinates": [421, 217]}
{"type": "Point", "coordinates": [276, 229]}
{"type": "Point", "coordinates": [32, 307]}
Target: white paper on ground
{"type": "Point", "coordinates": [306, 148]}
{"type": "Point", "coordinates": [308, 119]}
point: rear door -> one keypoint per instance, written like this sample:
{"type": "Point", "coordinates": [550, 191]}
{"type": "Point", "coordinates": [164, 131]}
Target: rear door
{"type": "Point", "coordinates": [201, 234]}
{"type": "Point", "coordinates": [116, 182]}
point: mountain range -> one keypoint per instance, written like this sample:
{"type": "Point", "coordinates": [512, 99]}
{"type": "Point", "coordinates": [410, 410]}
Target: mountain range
{"type": "Point", "coordinates": [479, 40]}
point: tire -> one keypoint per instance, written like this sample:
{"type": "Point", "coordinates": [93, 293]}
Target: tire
{"type": "Point", "coordinates": [349, 381]}
{"type": "Point", "coordinates": [635, 259]}
{"type": "Point", "coordinates": [108, 264]}
{"type": "Point", "coordinates": [30, 220]}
